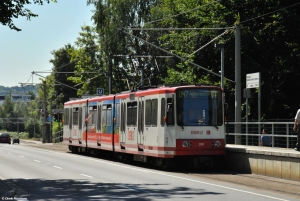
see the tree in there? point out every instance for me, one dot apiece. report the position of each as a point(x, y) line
point(33, 119)
point(60, 91)
point(268, 42)
point(110, 17)
point(10, 9)
point(90, 68)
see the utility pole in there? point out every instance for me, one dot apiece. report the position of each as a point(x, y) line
point(45, 114)
point(238, 83)
point(51, 118)
point(109, 77)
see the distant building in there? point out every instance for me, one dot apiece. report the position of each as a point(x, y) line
point(17, 98)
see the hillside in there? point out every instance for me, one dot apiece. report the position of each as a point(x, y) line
point(18, 90)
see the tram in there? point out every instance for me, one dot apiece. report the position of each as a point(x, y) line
point(165, 126)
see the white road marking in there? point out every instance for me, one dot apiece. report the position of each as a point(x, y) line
point(139, 169)
point(57, 167)
point(178, 177)
point(86, 175)
point(37, 161)
point(22, 156)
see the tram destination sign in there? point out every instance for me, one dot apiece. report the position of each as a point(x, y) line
point(253, 80)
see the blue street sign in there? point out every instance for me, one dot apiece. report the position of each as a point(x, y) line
point(100, 91)
point(49, 118)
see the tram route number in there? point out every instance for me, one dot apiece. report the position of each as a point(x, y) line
point(130, 135)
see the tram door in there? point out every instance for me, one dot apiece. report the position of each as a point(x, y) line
point(123, 121)
point(141, 123)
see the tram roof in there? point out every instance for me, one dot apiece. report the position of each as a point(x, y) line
point(147, 90)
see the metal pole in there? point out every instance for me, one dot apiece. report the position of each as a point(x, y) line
point(50, 136)
point(247, 115)
point(221, 47)
point(259, 106)
point(222, 67)
point(109, 77)
point(34, 128)
point(238, 83)
point(45, 114)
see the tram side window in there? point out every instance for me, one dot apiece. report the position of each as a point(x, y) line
point(92, 115)
point(66, 116)
point(162, 111)
point(118, 115)
point(151, 112)
point(80, 118)
point(85, 116)
point(132, 113)
point(106, 116)
point(99, 118)
point(109, 115)
point(75, 116)
point(154, 109)
point(70, 118)
point(170, 112)
point(148, 113)
point(123, 114)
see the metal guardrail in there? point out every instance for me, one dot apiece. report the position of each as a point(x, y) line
point(282, 133)
point(59, 137)
point(250, 132)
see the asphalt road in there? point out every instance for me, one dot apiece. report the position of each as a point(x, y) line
point(56, 174)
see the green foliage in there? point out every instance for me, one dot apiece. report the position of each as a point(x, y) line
point(61, 87)
point(89, 66)
point(110, 17)
point(14, 8)
point(269, 44)
point(20, 135)
point(56, 127)
point(20, 116)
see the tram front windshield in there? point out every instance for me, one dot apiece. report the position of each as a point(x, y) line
point(199, 107)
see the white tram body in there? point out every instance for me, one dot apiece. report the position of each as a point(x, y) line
point(164, 122)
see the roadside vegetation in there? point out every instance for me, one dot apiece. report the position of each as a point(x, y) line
point(153, 35)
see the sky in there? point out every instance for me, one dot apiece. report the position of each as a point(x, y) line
point(29, 50)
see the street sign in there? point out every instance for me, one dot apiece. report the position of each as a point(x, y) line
point(49, 118)
point(100, 91)
point(253, 80)
point(57, 110)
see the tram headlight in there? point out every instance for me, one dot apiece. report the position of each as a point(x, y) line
point(217, 144)
point(185, 144)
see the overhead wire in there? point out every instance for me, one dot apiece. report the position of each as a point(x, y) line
point(175, 55)
point(73, 62)
point(269, 13)
point(154, 21)
point(159, 28)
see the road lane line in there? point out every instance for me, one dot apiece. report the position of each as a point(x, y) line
point(57, 167)
point(86, 175)
point(37, 161)
point(143, 170)
point(187, 179)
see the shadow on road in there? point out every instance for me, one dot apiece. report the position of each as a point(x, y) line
point(40, 189)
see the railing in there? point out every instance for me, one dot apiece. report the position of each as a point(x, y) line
point(58, 137)
point(282, 133)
